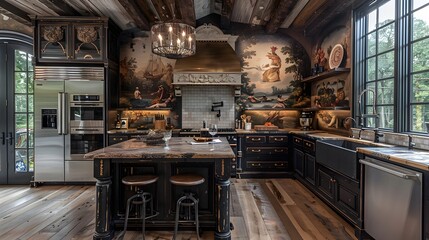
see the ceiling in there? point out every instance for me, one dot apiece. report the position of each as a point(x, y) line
point(309, 16)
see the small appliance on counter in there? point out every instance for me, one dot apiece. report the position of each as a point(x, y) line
point(306, 120)
point(124, 123)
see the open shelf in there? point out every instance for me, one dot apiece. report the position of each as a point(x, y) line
point(326, 74)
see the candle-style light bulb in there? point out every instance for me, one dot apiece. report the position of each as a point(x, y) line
point(190, 41)
point(170, 29)
point(183, 34)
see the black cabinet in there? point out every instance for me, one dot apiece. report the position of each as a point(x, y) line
point(115, 138)
point(304, 160)
point(341, 192)
point(298, 162)
point(75, 40)
point(263, 155)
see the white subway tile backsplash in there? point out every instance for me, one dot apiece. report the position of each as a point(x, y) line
point(197, 104)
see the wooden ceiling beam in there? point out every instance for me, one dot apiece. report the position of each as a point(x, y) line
point(60, 7)
point(186, 11)
point(134, 10)
point(280, 13)
point(15, 13)
point(327, 13)
point(163, 9)
point(225, 14)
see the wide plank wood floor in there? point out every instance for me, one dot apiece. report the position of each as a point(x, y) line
point(271, 209)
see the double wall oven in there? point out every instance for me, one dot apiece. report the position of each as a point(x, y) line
point(86, 124)
point(69, 122)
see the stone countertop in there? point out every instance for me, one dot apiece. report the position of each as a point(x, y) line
point(180, 147)
point(253, 131)
point(131, 131)
point(410, 157)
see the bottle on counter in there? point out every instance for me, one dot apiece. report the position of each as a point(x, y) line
point(118, 122)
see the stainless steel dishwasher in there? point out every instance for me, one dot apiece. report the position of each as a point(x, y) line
point(392, 201)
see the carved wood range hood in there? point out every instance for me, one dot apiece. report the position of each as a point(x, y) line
point(215, 61)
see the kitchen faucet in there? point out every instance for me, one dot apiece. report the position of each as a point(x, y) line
point(217, 105)
point(354, 120)
point(374, 114)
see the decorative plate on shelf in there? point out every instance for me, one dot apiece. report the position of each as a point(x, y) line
point(336, 56)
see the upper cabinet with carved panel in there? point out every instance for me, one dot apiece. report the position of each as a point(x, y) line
point(73, 40)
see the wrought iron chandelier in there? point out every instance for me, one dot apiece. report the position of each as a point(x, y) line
point(173, 39)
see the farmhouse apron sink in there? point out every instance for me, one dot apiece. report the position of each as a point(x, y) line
point(339, 155)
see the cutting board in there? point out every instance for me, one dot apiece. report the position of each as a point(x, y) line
point(265, 128)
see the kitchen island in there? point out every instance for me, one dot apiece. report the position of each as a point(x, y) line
point(134, 157)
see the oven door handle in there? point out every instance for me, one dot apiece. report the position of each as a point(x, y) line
point(88, 104)
point(62, 110)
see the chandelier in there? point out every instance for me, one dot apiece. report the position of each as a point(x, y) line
point(173, 39)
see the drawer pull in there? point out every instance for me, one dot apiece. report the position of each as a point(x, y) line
point(256, 139)
point(278, 150)
point(278, 164)
point(256, 150)
point(278, 139)
point(256, 164)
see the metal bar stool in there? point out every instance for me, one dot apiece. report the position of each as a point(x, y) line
point(145, 197)
point(188, 200)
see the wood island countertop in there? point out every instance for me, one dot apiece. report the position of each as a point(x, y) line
point(180, 147)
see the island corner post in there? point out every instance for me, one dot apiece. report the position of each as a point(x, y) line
point(105, 169)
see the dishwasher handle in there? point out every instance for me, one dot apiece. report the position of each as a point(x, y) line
point(389, 170)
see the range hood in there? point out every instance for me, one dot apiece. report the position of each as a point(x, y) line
point(215, 63)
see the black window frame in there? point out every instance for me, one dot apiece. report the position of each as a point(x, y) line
point(402, 61)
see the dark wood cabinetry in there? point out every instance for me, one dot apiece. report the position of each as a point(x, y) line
point(339, 191)
point(116, 138)
point(304, 160)
point(264, 155)
point(75, 40)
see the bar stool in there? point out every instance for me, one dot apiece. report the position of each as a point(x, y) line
point(145, 197)
point(188, 200)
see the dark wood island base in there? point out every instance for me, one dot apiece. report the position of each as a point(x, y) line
point(112, 163)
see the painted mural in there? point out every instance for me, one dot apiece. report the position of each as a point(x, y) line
point(333, 91)
point(146, 79)
point(273, 67)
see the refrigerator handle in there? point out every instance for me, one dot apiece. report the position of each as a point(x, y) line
point(62, 109)
point(3, 138)
point(60, 114)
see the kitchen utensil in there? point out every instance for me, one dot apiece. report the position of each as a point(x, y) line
point(248, 119)
point(243, 118)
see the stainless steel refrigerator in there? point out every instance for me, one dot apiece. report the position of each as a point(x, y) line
point(69, 121)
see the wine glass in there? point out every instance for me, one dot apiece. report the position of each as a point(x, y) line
point(213, 132)
point(167, 136)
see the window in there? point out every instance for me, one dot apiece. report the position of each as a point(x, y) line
point(24, 112)
point(392, 59)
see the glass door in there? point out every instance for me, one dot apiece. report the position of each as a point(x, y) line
point(17, 114)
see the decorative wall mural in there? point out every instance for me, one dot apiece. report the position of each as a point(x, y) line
point(273, 67)
point(146, 79)
point(331, 93)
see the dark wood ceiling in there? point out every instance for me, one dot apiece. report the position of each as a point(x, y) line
point(308, 16)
